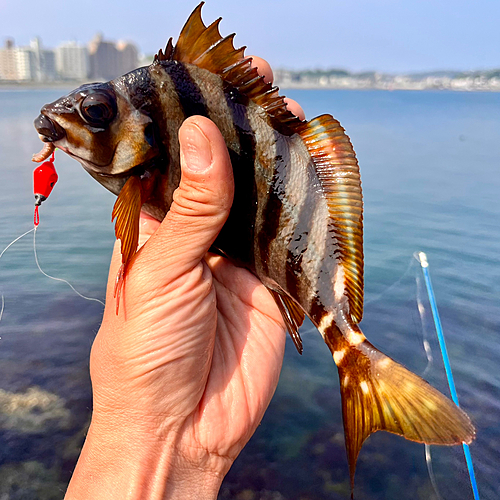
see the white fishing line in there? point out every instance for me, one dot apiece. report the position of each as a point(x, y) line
point(59, 279)
point(430, 361)
point(1, 255)
point(390, 287)
point(33, 230)
point(3, 307)
point(17, 239)
point(430, 470)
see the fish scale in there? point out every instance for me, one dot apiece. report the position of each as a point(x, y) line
point(297, 215)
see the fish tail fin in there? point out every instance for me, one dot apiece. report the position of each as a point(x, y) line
point(380, 394)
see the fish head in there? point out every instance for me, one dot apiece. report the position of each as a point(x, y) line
point(98, 125)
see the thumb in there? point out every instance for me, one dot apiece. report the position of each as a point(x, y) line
point(201, 203)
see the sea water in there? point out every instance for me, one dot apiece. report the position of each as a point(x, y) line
point(430, 164)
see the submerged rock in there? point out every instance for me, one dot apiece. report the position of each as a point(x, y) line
point(34, 411)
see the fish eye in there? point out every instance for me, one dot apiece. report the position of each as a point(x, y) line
point(98, 109)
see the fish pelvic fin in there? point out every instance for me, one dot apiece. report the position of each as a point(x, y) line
point(379, 394)
point(293, 316)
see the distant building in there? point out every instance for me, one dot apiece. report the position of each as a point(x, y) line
point(25, 63)
point(103, 59)
point(72, 61)
point(16, 63)
point(8, 64)
point(44, 62)
point(128, 57)
point(109, 60)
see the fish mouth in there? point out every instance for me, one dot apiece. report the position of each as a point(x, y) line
point(49, 132)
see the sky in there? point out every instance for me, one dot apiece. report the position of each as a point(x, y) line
point(357, 35)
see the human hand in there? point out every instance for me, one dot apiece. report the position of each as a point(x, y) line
point(184, 373)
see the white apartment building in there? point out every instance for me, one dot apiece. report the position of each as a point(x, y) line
point(16, 63)
point(27, 63)
point(72, 61)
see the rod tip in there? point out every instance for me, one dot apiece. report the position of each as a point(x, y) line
point(423, 259)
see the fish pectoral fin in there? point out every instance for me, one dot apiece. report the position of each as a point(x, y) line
point(126, 211)
point(293, 316)
point(379, 394)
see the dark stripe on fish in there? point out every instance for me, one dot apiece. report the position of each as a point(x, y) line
point(237, 234)
point(272, 211)
point(188, 92)
point(141, 90)
point(144, 96)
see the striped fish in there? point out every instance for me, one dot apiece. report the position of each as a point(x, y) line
point(296, 220)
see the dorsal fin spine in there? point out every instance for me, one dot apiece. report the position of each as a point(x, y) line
point(204, 47)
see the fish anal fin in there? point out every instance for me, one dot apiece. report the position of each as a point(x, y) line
point(205, 47)
point(293, 316)
point(379, 394)
point(338, 172)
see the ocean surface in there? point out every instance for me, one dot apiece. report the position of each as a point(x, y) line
point(430, 165)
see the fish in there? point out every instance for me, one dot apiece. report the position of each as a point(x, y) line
point(296, 221)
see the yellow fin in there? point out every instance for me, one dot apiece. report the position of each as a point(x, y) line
point(380, 394)
point(127, 210)
point(338, 172)
point(293, 316)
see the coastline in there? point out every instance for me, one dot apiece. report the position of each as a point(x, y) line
point(284, 84)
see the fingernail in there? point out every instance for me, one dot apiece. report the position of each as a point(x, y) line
point(195, 149)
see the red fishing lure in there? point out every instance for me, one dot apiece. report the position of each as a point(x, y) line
point(44, 179)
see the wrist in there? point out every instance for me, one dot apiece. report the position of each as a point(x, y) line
point(130, 464)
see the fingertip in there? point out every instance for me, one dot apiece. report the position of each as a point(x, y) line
point(264, 68)
point(203, 148)
point(295, 108)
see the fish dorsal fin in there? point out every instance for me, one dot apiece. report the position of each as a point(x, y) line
point(293, 316)
point(205, 47)
point(338, 172)
point(167, 56)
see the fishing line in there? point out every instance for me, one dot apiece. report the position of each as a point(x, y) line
point(3, 307)
point(430, 470)
point(1, 255)
point(422, 258)
point(33, 230)
point(59, 279)
point(390, 287)
point(430, 359)
point(17, 239)
point(421, 312)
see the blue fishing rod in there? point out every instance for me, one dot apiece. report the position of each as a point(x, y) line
point(422, 257)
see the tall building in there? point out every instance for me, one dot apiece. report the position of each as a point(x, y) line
point(109, 60)
point(16, 63)
point(129, 56)
point(104, 59)
point(26, 63)
point(44, 62)
point(8, 66)
point(72, 61)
